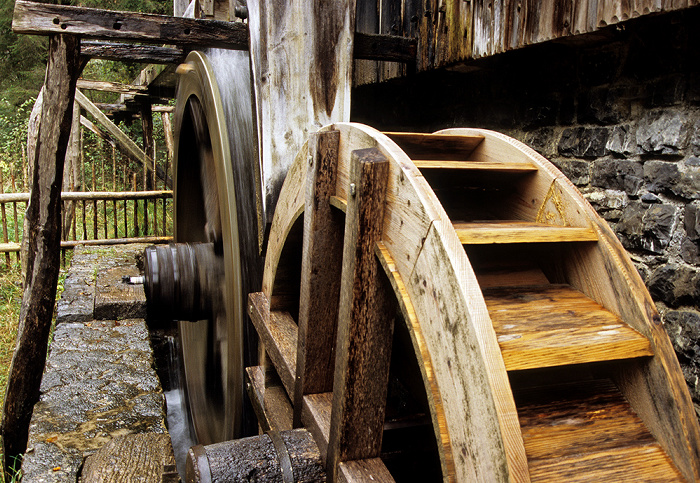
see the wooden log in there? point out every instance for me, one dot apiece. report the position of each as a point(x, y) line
point(44, 236)
point(273, 457)
point(106, 86)
point(365, 321)
point(43, 19)
point(322, 256)
point(124, 52)
point(131, 457)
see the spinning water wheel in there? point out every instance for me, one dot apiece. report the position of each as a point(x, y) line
point(524, 339)
point(216, 231)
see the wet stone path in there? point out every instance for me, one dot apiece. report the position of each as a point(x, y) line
point(99, 384)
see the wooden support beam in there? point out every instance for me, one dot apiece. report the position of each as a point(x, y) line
point(321, 266)
point(122, 141)
point(124, 52)
point(365, 321)
point(106, 86)
point(44, 238)
point(44, 19)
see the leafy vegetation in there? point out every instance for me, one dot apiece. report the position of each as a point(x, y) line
point(23, 64)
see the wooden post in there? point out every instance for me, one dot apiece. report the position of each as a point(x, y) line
point(44, 236)
point(365, 321)
point(322, 253)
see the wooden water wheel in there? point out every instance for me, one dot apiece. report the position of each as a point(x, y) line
point(449, 306)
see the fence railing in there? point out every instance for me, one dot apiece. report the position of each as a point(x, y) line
point(95, 218)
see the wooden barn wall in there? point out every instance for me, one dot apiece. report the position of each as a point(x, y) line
point(450, 31)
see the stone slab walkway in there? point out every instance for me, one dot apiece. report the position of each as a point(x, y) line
point(99, 382)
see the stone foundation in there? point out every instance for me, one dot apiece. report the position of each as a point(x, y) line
point(619, 113)
point(99, 382)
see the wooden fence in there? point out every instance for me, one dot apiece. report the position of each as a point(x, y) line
point(95, 218)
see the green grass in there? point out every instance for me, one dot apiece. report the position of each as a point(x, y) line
point(10, 302)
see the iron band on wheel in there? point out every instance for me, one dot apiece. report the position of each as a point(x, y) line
point(282, 456)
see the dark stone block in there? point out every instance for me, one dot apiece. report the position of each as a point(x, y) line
point(692, 220)
point(681, 179)
point(675, 285)
point(622, 141)
point(618, 174)
point(542, 140)
point(695, 139)
point(650, 198)
point(663, 132)
point(683, 328)
point(584, 142)
point(690, 251)
point(579, 172)
point(647, 227)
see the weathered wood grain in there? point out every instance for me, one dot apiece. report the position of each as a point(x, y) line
point(45, 19)
point(257, 458)
point(278, 333)
point(365, 321)
point(436, 146)
point(520, 168)
point(364, 471)
point(302, 56)
point(603, 271)
point(589, 426)
point(521, 232)
point(432, 389)
point(106, 86)
point(321, 265)
point(129, 458)
point(43, 218)
point(554, 325)
point(316, 416)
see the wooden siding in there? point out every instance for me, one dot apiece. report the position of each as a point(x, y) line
point(451, 31)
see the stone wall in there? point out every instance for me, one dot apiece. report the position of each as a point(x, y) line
point(619, 114)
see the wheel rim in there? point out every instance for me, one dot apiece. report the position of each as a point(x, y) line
point(205, 211)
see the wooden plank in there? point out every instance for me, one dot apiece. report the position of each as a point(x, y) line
point(321, 265)
point(555, 325)
point(511, 277)
point(635, 463)
point(479, 233)
point(523, 168)
point(389, 48)
point(43, 19)
point(278, 333)
point(589, 425)
point(587, 416)
point(271, 404)
point(316, 416)
point(436, 146)
point(43, 220)
point(370, 470)
point(365, 321)
point(106, 86)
